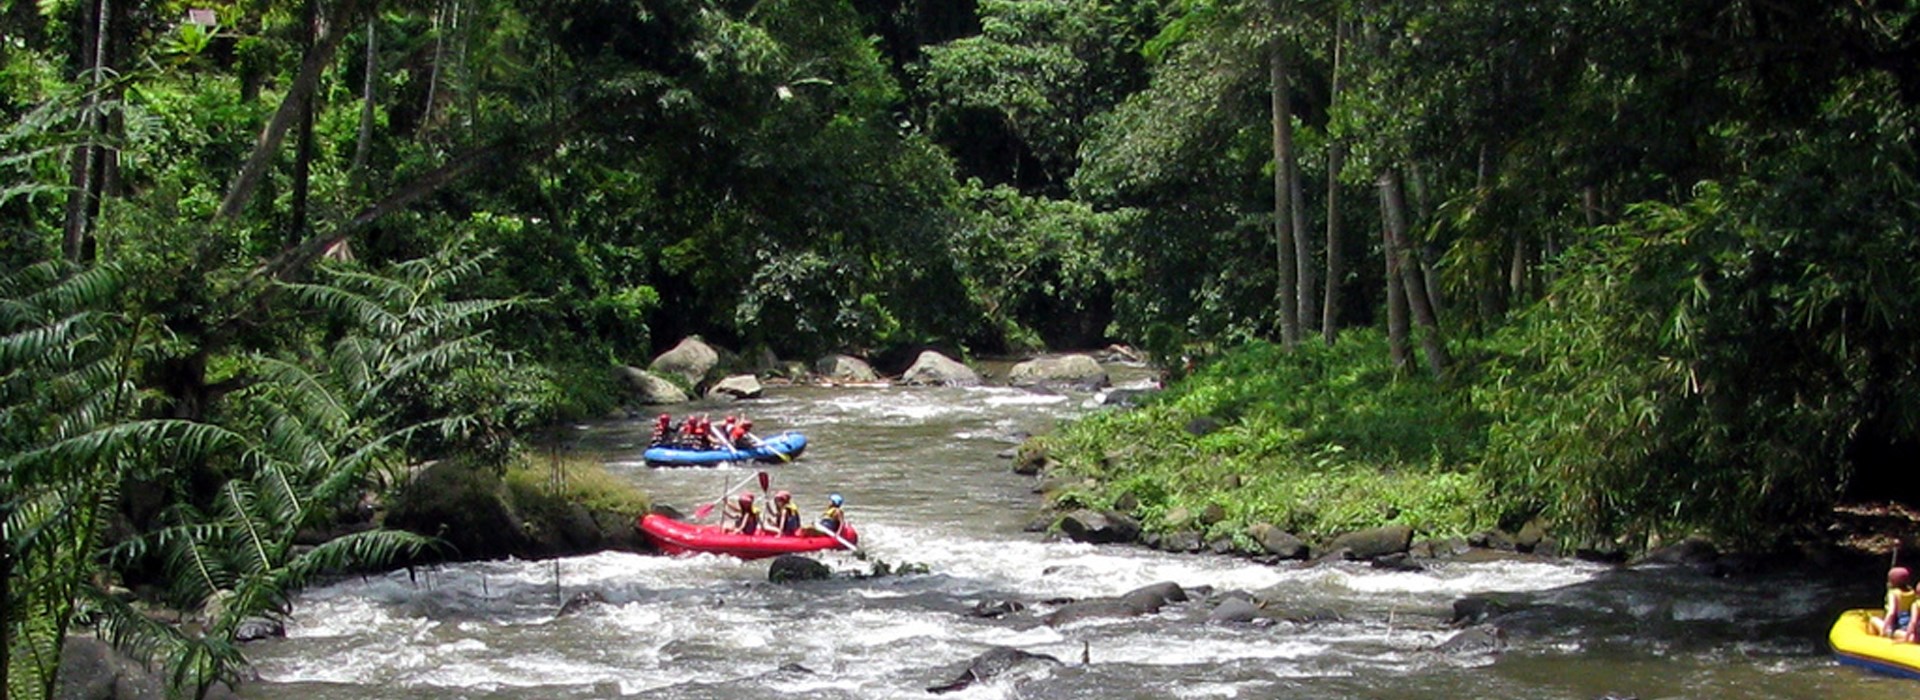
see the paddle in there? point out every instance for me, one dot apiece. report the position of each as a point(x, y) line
point(757, 442)
point(707, 508)
point(821, 525)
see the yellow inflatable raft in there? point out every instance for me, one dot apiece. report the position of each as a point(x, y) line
point(1855, 644)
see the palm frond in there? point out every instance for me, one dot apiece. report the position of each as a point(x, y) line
point(359, 550)
point(438, 357)
point(253, 551)
point(163, 441)
point(368, 313)
point(143, 638)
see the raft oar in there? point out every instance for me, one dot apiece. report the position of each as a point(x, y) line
point(821, 526)
point(707, 508)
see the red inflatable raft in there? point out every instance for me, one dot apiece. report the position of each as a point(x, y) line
point(675, 537)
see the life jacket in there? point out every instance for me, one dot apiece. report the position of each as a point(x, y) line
point(832, 519)
point(749, 521)
point(787, 519)
point(1901, 599)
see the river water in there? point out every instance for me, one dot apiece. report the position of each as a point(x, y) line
point(923, 483)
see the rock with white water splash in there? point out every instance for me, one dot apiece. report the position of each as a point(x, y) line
point(1485, 639)
point(994, 663)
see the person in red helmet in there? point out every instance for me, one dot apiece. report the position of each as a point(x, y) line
point(746, 517)
point(742, 436)
point(663, 430)
point(786, 515)
point(1900, 620)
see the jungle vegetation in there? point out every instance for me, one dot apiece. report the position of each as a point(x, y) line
point(1640, 266)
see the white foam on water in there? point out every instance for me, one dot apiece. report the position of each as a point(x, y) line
point(1447, 579)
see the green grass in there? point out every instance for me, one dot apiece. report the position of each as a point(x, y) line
point(1317, 441)
point(532, 484)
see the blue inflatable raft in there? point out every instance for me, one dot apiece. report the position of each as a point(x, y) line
point(778, 449)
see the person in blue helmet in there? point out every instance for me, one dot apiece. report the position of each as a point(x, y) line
point(833, 518)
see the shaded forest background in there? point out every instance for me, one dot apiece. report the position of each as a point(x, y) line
point(1634, 266)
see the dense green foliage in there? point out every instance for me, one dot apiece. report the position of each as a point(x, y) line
point(1657, 256)
point(1319, 441)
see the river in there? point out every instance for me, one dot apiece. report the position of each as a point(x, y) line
point(923, 482)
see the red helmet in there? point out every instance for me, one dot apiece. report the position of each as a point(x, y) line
point(746, 424)
point(782, 496)
point(1899, 576)
point(746, 498)
point(665, 419)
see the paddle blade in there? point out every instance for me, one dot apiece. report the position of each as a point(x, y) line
point(764, 480)
point(703, 511)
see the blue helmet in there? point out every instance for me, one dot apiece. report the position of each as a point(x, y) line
point(836, 500)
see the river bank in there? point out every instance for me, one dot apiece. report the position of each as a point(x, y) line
point(920, 472)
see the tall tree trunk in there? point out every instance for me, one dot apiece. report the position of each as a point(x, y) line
point(1302, 249)
point(304, 85)
point(1517, 290)
point(433, 71)
point(364, 143)
point(1432, 345)
point(86, 160)
point(303, 145)
point(1287, 253)
point(1590, 204)
point(1395, 288)
point(1336, 160)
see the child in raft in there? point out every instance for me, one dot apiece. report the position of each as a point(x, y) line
point(1900, 621)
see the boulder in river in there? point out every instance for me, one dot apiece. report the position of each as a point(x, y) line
point(1145, 600)
point(1234, 611)
point(845, 368)
point(258, 628)
point(995, 609)
point(1075, 371)
point(1030, 458)
point(90, 669)
point(995, 662)
point(1277, 542)
point(1096, 527)
point(738, 386)
point(581, 601)
point(792, 567)
point(935, 369)
point(647, 389)
point(1485, 639)
point(1374, 542)
point(692, 359)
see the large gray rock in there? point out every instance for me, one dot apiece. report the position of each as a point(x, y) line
point(1374, 542)
point(692, 360)
point(996, 662)
point(648, 389)
point(92, 670)
point(739, 386)
point(845, 368)
point(935, 369)
point(1278, 542)
point(793, 567)
point(1096, 527)
point(1145, 600)
point(1485, 639)
point(258, 628)
point(1079, 371)
point(1150, 597)
point(463, 505)
point(1234, 611)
